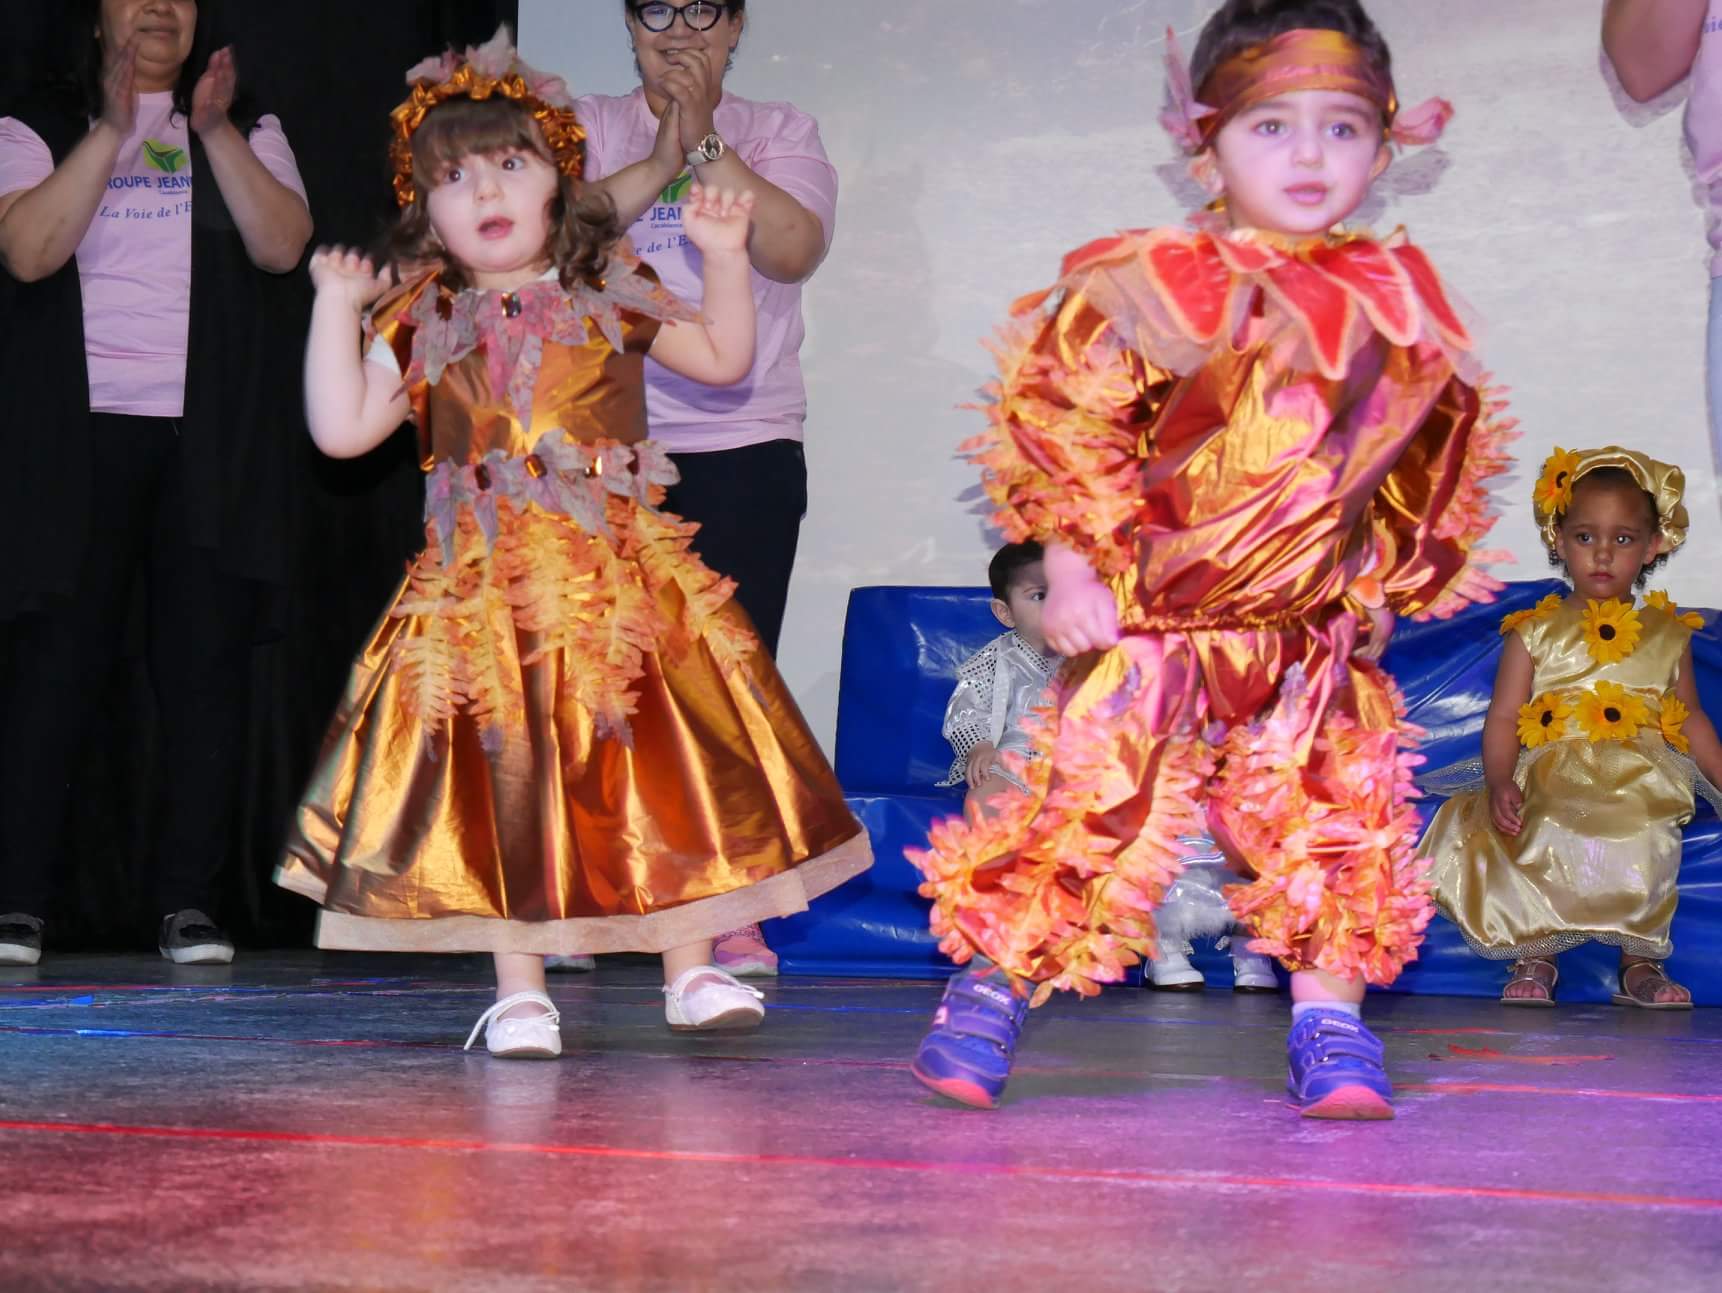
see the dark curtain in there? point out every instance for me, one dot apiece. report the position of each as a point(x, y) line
point(331, 70)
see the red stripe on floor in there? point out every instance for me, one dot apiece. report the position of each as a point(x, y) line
point(1525, 1088)
point(1182, 1179)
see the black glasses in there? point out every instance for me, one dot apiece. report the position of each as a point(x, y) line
point(702, 15)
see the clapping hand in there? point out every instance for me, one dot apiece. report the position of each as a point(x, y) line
point(213, 95)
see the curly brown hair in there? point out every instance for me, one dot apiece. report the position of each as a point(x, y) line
point(583, 224)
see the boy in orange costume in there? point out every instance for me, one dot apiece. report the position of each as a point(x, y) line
point(1248, 446)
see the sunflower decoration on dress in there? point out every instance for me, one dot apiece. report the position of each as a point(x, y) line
point(1611, 630)
point(1609, 712)
point(1662, 602)
point(1564, 469)
point(1548, 606)
point(1672, 720)
point(1544, 719)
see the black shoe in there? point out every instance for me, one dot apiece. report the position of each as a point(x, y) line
point(20, 939)
point(190, 938)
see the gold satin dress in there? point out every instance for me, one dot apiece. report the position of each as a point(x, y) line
point(563, 735)
point(1605, 797)
point(1253, 441)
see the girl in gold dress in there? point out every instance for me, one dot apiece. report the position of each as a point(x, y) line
point(562, 736)
point(1574, 835)
point(1248, 446)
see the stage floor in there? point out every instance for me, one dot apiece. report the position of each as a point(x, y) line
point(308, 1121)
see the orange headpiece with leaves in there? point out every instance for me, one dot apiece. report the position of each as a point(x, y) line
point(487, 70)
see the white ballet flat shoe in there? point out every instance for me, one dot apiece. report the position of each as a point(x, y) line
point(520, 1037)
point(707, 999)
point(1172, 972)
point(1252, 972)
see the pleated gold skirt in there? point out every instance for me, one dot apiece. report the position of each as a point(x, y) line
point(565, 740)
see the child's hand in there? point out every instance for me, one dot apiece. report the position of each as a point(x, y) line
point(717, 220)
point(347, 275)
point(1080, 614)
point(981, 760)
point(1381, 625)
point(1506, 808)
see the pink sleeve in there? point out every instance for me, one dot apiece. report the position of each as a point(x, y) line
point(786, 150)
point(24, 159)
point(270, 144)
point(590, 115)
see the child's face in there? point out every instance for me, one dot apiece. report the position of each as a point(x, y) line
point(1606, 538)
point(1025, 597)
point(1301, 163)
point(492, 212)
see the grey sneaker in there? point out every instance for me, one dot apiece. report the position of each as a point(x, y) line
point(20, 939)
point(190, 938)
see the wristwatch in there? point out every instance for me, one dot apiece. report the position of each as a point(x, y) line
point(708, 149)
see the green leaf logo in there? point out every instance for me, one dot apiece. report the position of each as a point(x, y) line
point(676, 189)
point(164, 157)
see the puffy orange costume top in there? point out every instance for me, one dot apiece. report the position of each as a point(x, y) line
point(1252, 440)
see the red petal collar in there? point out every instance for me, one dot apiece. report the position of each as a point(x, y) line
point(1328, 287)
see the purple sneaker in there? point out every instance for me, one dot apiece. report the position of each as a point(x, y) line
point(966, 1056)
point(1336, 1067)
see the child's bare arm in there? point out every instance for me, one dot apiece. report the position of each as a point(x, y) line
point(1501, 735)
point(1700, 731)
point(718, 352)
point(351, 405)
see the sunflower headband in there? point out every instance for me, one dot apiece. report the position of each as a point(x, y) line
point(1304, 59)
point(493, 68)
point(1565, 468)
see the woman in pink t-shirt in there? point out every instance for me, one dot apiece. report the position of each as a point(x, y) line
point(1654, 45)
point(739, 448)
point(147, 399)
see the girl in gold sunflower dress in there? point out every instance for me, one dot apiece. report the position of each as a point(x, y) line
point(1574, 835)
point(562, 736)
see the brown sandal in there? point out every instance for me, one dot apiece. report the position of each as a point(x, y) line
point(1525, 971)
point(1654, 977)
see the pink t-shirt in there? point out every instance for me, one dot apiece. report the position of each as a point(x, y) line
point(782, 145)
point(1704, 124)
point(134, 263)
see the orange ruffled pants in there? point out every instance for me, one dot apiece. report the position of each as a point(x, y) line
point(1294, 756)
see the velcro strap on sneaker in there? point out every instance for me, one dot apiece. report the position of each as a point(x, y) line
point(988, 1009)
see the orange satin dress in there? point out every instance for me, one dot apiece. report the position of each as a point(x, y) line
point(1253, 441)
point(562, 736)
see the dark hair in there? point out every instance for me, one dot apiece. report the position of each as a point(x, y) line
point(1617, 478)
point(1240, 24)
point(1008, 563)
point(583, 225)
point(80, 73)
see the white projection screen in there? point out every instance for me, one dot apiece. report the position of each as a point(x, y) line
point(978, 140)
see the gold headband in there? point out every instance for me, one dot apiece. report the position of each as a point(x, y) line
point(1308, 58)
point(1566, 467)
point(486, 70)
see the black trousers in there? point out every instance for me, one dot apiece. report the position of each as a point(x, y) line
point(749, 503)
point(198, 635)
